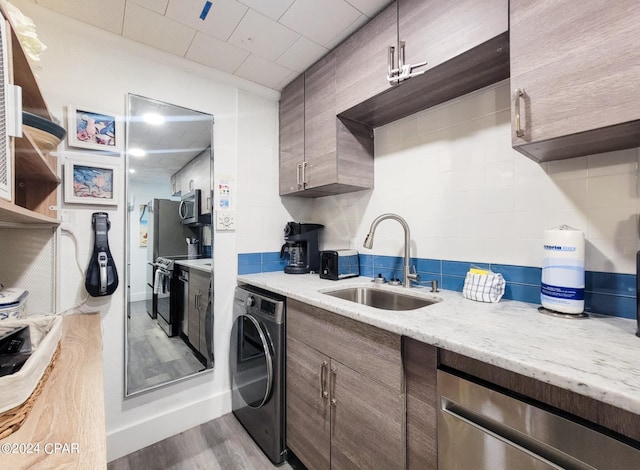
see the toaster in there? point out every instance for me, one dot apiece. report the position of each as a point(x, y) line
point(339, 264)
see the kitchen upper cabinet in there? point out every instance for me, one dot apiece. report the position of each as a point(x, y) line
point(464, 42)
point(574, 76)
point(435, 31)
point(196, 174)
point(334, 156)
point(362, 60)
point(319, 167)
point(345, 391)
point(291, 136)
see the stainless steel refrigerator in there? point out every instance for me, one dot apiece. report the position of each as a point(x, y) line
point(166, 238)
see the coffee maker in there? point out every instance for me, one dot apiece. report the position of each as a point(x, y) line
point(301, 242)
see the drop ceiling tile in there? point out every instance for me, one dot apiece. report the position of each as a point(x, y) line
point(262, 71)
point(262, 36)
point(215, 53)
point(222, 18)
point(155, 30)
point(369, 7)
point(345, 33)
point(301, 55)
point(159, 6)
point(87, 11)
point(274, 9)
point(284, 82)
point(320, 21)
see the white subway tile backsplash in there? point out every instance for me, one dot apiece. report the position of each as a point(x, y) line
point(612, 163)
point(610, 255)
point(572, 218)
point(467, 195)
point(566, 195)
point(612, 224)
point(618, 190)
point(569, 169)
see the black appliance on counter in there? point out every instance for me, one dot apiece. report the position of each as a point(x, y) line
point(301, 242)
point(339, 264)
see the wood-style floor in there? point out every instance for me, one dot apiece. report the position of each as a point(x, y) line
point(154, 358)
point(221, 444)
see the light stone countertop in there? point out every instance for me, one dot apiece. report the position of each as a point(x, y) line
point(598, 357)
point(202, 264)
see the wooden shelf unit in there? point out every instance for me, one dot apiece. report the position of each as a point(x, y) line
point(36, 181)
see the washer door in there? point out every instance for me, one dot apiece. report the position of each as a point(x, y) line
point(252, 361)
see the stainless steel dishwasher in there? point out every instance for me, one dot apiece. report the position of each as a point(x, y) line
point(481, 428)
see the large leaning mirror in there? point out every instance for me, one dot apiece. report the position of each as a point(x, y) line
point(169, 304)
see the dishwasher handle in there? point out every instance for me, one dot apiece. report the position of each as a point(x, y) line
point(471, 413)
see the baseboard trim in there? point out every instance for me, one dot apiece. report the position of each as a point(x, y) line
point(124, 441)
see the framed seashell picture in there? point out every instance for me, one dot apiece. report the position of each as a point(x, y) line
point(90, 181)
point(95, 130)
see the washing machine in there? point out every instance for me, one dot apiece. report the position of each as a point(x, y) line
point(257, 367)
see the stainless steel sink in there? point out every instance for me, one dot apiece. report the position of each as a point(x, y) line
point(381, 299)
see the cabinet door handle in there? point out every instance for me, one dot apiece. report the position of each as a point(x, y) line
point(401, 56)
point(298, 174)
point(391, 61)
point(304, 173)
point(324, 394)
point(517, 95)
point(332, 385)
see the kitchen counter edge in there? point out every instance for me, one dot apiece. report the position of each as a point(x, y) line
point(597, 357)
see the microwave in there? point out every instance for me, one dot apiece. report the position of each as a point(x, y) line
point(189, 208)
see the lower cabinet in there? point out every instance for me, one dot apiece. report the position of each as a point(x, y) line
point(345, 392)
point(198, 298)
point(420, 369)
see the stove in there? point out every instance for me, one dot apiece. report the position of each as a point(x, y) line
point(165, 293)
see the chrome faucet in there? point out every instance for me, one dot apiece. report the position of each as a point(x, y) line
point(408, 276)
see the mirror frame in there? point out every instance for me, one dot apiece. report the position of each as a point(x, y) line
point(127, 228)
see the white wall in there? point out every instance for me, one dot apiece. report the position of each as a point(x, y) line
point(467, 195)
point(86, 66)
point(262, 214)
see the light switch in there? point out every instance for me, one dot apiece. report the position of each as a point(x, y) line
point(225, 221)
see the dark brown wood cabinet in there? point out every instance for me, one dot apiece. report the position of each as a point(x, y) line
point(198, 298)
point(320, 144)
point(420, 367)
point(333, 156)
point(361, 64)
point(464, 42)
point(291, 136)
point(435, 31)
point(577, 70)
point(345, 391)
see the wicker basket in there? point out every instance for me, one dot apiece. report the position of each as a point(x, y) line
point(19, 391)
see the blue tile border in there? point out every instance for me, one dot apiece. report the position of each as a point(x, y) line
point(605, 293)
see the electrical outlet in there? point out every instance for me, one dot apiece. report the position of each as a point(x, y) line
point(225, 221)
